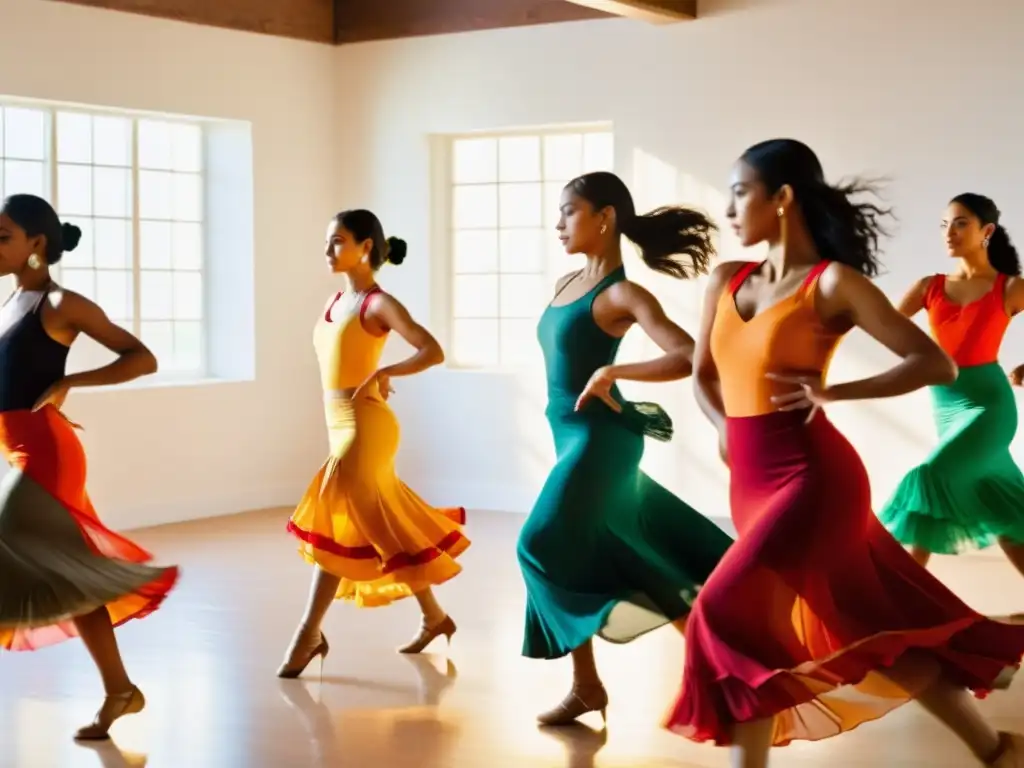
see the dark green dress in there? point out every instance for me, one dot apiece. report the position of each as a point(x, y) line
point(606, 550)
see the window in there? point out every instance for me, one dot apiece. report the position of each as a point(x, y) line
point(135, 186)
point(505, 192)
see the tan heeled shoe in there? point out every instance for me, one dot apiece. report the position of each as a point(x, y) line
point(114, 708)
point(293, 667)
point(579, 702)
point(427, 635)
point(1011, 754)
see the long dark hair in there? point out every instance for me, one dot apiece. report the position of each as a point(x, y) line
point(37, 217)
point(364, 225)
point(1002, 254)
point(662, 235)
point(842, 230)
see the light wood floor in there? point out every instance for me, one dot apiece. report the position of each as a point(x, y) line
point(206, 662)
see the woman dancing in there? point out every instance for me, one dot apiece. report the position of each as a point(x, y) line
point(817, 620)
point(606, 550)
point(62, 573)
point(371, 539)
point(969, 492)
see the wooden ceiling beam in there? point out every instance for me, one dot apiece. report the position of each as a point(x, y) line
point(651, 11)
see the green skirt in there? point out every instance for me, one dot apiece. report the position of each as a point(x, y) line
point(969, 492)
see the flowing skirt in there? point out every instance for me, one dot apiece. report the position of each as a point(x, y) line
point(359, 522)
point(969, 491)
point(815, 601)
point(57, 560)
point(606, 550)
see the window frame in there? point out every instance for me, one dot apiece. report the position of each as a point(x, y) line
point(443, 186)
point(51, 171)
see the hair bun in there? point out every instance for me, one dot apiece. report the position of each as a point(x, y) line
point(70, 236)
point(397, 249)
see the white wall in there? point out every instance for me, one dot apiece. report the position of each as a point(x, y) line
point(926, 93)
point(159, 454)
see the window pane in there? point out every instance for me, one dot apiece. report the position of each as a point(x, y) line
point(188, 346)
point(563, 156)
point(154, 195)
point(112, 192)
point(188, 296)
point(476, 250)
point(598, 152)
point(476, 296)
point(519, 158)
point(113, 245)
point(519, 346)
point(187, 147)
point(159, 337)
point(112, 137)
point(24, 176)
point(522, 250)
point(558, 261)
point(475, 342)
point(112, 292)
point(523, 296)
point(74, 190)
point(553, 202)
point(155, 145)
point(187, 246)
point(155, 244)
point(24, 134)
point(474, 161)
point(521, 205)
point(81, 281)
point(475, 206)
point(156, 298)
point(74, 137)
point(188, 197)
point(84, 254)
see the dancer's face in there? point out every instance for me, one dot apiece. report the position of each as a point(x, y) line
point(16, 246)
point(752, 212)
point(964, 232)
point(579, 225)
point(343, 251)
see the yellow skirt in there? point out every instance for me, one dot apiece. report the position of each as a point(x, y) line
point(358, 521)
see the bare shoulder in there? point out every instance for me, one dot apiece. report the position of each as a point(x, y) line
point(722, 274)
point(70, 303)
point(836, 277)
point(564, 280)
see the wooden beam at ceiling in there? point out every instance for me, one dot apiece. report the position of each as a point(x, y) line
point(362, 20)
point(651, 11)
point(302, 19)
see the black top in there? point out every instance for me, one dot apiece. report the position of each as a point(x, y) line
point(31, 361)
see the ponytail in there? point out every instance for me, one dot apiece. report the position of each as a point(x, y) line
point(670, 232)
point(1002, 253)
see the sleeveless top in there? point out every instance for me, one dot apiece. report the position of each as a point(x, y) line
point(788, 337)
point(574, 346)
point(347, 353)
point(31, 361)
point(969, 333)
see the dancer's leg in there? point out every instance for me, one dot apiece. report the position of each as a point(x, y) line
point(1014, 552)
point(308, 640)
point(921, 555)
point(122, 698)
point(587, 694)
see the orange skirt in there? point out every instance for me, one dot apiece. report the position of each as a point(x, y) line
point(57, 560)
point(358, 521)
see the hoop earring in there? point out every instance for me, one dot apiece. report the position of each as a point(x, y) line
point(604, 228)
point(780, 211)
point(34, 262)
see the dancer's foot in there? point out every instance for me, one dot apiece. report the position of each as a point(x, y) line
point(115, 706)
point(580, 700)
point(305, 647)
point(428, 633)
point(1011, 753)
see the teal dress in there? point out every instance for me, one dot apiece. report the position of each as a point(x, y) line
point(606, 550)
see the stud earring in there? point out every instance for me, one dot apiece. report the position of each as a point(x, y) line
point(34, 262)
point(781, 211)
point(604, 228)
point(984, 243)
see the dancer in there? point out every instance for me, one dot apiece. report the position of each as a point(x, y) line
point(371, 539)
point(62, 573)
point(606, 550)
point(817, 620)
point(969, 492)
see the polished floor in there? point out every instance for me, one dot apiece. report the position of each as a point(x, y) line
point(206, 662)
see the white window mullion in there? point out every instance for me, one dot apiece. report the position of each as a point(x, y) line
point(54, 192)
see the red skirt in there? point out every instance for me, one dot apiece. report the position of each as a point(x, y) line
point(57, 560)
point(816, 599)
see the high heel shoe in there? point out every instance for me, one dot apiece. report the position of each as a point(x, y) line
point(114, 707)
point(292, 668)
point(427, 635)
point(577, 703)
point(1011, 752)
